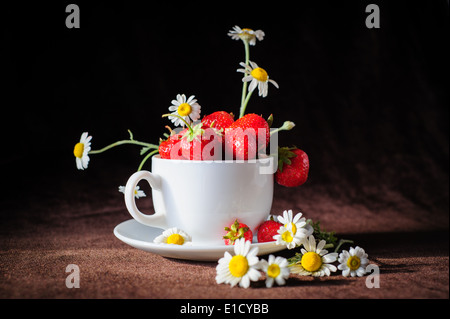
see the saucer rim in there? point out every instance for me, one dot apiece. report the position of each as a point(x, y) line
point(207, 252)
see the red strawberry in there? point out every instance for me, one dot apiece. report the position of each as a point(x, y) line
point(168, 146)
point(237, 230)
point(293, 167)
point(219, 120)
point(201, 144)
point(241, 137)
point(267, 230)
point(177, 136)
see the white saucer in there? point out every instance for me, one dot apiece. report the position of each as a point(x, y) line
point(140, 236)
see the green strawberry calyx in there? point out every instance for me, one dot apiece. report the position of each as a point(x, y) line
point(235, 232)
point(193, 131)
point(284, 156)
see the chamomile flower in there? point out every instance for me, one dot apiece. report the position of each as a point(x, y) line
point(298, 223)
point(173, 236)
point(353, 262)
point(257, 77)
point(246, 34)
point(240, 268)
point(287, 237)
point(137, 192)
point(188, 109)
point(276, 269)
point(315, 260)
point(81, 151)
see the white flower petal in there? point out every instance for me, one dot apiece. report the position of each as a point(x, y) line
point(252, 85)
point(320, 246)
point(274, 83)
point(244, 282)
point(296, 218)
point(247, 78)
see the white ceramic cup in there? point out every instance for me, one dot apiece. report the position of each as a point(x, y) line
point(203, 197)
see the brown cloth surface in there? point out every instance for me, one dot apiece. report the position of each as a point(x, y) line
point(409, 245)
point(370, 107)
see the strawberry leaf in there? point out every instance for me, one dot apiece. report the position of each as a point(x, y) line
point(270, 120)
point(284, 155)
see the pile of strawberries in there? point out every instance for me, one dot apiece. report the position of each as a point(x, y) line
point(205, 141)
point(219, 136)
point(265, 232)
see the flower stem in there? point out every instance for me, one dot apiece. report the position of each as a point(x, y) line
point(146, 158)
point(176, 115)
point(244, 105)
point(122, 143)
point(244, 99)
point(341, 242)
point(288, 125)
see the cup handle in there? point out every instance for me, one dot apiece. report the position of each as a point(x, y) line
point(155, 220)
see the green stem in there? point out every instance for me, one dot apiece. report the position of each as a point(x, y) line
point(176, 115)
point(341, 242)
point(244, 105)
point(245, 84)
point(288, 125)
point(122, 143)
point(146, 158)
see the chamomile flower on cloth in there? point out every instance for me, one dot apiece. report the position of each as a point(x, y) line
point(287, 237)
point(315, 261)
point(81, 151)
point(173, 236)
point(240, 268)
point(188, 109)
point(257, 77)
point(276, 269)
point(353, 262)
point(298, 223)
point(246, 34)
point(137, 192)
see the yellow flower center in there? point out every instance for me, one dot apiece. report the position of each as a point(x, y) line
point(273, 270)
point(238, 266)
point(287, 236)
point(184, 109)
point(311, 261)
point(353, 262)
point(260, 74)
point(294, 228)
point(175, 239)
point(78, 150)
point(246, 35)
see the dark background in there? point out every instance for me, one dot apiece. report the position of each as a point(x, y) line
point(371, 105)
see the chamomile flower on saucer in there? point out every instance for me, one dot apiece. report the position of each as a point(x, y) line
point(81, 151)
point(257, 77)
point(137, 192)
point(173, 236)
point(188, 109)
point(246, 34)
point(353, 262)
point(315, 261)
point(240, 268)
point(298, 223)
point(276, 269)
point(287, 237)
